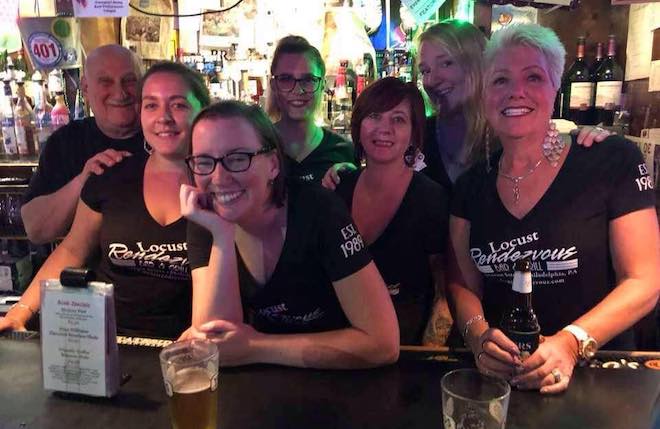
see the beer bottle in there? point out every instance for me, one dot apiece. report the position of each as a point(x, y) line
point(519, 322)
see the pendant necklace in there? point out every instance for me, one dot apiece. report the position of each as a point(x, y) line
point(516, 179)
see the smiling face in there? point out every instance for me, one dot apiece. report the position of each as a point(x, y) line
point(519, 93)
point(443, 77)
point(167, 110)
point(386, 136)
point(242, 196)
point(109, 85)
point(297, 104)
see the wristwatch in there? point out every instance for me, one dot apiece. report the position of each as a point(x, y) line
point(587, 345)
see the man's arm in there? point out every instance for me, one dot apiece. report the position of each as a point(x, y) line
point(48, 217)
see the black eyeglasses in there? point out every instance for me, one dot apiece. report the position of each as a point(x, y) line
point(286, 82)
point(234, 162)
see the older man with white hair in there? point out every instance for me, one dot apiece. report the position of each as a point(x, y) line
point(82, 148)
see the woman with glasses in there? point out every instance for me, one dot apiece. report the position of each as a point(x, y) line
point(296, 90)
point(131, 216)
point(280, 273)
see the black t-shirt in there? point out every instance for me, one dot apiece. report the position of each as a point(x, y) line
point(435, 168)
point(146, 262)
point(417, 230)
point(332, 150)
point(321, 245)
point(68, 149)
point(565, 234)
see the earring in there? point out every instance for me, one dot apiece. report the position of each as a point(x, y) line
point(487, 148)
point(409, 156)
point(553, 145)
point(148, 148)
point(271, 182)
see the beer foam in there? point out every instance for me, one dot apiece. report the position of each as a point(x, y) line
point(191, 380)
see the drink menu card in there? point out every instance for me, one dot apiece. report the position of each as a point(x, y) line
point(79, 348)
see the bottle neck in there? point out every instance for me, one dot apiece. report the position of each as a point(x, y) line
point(522, 300)
point(599, 52)
point(611, 48)
point(580, 51)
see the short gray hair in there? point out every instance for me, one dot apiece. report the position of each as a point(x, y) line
point(533, 36)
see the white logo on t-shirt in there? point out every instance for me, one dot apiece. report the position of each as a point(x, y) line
point(644, 183)
point(353, 243)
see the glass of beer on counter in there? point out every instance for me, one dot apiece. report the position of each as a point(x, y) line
point(190, 373)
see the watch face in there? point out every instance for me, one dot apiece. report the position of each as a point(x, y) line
point(589, 348)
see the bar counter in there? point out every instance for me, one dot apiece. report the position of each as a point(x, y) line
point(404, 395)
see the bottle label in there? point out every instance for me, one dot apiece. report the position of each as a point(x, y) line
point(9, 141)
point(608, 94)
point(527, 342)
point(8, 122)
point(581, 93)
point(522, 282)
point(9, 135)
point(21, 140)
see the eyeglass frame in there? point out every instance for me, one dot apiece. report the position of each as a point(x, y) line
point(221, 160)
point(298, 82)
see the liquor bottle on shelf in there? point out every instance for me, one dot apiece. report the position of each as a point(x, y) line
point(341, 104)
point(20, 66)
point(23, 120)
point(519, 322)
point(60, 114)
point(577, 89)
point(42, 111)
point(361, 78)
point(9, 143)
point(79, 108)
point(609, 83)
point(387, 66)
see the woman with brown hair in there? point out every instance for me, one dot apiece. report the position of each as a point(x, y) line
point(296, 91)
point(280, 273)
point(407, 232)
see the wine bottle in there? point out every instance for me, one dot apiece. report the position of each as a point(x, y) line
point(577, 88)
point(9, 143)
point(598, 60)
point(23, 120)
point(609, 83)
point(519, 322)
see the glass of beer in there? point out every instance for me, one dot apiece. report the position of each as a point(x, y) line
point(190, 373)
point(471, 400)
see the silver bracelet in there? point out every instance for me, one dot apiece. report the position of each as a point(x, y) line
point(469, 323)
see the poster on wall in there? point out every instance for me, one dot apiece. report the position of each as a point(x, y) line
point(505, 15)
point(642, 20)
point(100, 8)
point(147, 35)
point(222, 29)
point(422, 10)
point(52, 42)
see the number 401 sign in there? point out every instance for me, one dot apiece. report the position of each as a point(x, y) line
point(46, 50)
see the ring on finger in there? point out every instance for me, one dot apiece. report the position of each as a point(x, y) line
point(556, 374)
point(479, 355)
